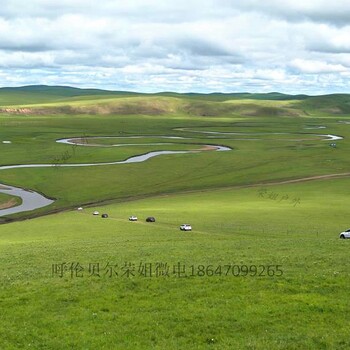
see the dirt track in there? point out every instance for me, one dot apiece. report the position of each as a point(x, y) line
point(310, 178)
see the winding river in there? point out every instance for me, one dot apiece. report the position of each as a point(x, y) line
point(32, 200)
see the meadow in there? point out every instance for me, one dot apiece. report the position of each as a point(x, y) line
point(7, 201)
point(263, 266)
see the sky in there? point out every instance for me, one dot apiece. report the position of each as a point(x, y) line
point(184, 45)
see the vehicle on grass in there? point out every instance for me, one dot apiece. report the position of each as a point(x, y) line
point(80, 208)
point(104, 216)
point(133, 218)
point(186, 227)
point(95, 213)
point(150, 219)
point(345, 234)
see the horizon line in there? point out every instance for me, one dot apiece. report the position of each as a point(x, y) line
point(169, 91)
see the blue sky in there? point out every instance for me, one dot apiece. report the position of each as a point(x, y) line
point(183, 45)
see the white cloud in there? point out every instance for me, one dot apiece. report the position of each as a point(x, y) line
point(153, 45)
point(317, 67)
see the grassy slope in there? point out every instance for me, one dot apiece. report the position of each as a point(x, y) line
point(44, 94)
point(43, 99)
point(230, 226)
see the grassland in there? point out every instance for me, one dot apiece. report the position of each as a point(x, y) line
point(260, 204)
point(307, 307)
point(7, 201)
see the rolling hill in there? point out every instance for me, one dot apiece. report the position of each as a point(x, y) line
point(43, 99)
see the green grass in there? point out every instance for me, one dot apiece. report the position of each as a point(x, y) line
point(29, 95)
point(7, 201)
point(235, 227)
point(302, 154)
point(241, 212)
point(55, 100)
point(42, 94)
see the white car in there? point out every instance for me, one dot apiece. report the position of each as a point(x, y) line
point(96, 213)
point(185, 227)
point(133, 218)
point(345, 234)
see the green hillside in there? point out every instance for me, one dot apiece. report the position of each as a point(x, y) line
point(262, 178)
point(58, 100)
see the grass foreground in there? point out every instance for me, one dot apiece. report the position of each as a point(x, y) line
point(243, 278)
point(263, 267)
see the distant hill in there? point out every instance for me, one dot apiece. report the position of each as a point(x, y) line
point(67, 91)
point(332, 104)
point(34, 94)
point(62, 90)
point(217, 96)
point(42, 99)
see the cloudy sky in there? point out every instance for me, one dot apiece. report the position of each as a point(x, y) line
point(177, 45)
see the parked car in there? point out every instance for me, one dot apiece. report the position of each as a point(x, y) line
point(133, 218)
point(150, 219)
point(80, 208)
point(345, 234)
point(96, 213)
point(104, 216)
point(186, 227)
